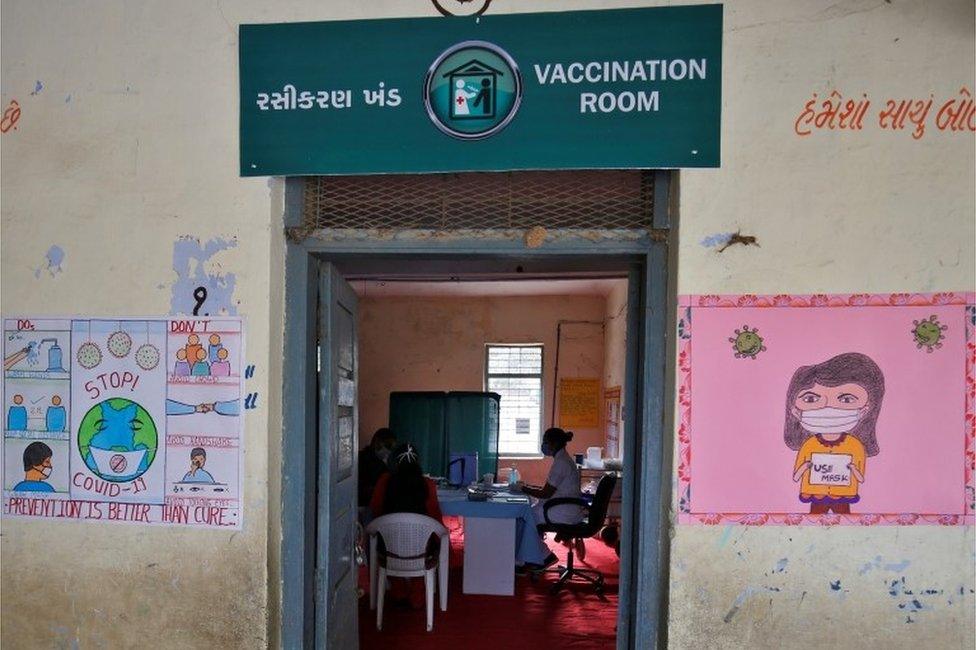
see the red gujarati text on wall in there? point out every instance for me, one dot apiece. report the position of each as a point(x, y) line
point(835, 113)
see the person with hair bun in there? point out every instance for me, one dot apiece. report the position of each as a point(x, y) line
point(405, 489)
point(563, 481)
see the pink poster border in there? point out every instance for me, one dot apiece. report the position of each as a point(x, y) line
point(684, 331)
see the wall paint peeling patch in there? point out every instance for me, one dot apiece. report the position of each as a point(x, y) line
point(743, 596)
point(879, 563)
point(726, 534)
point(867, 567)
point(717, 239)
point(54, 258)
point(913, 601)
point(65, 639)
point(897, 566)
point(195, 268)
point(837, 590)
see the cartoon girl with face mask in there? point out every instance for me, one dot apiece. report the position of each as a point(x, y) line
point(831, 412)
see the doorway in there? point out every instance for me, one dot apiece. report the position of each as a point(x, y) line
point(317, 564)
point(433, 355)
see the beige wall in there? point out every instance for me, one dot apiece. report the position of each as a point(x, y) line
point(615, 349)
point(439, 344)
point(863, 211)
point(132, 143)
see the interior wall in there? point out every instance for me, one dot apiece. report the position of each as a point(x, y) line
point(615, 349)
point(411, 344)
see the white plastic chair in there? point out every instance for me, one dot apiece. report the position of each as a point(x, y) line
point(405, 536)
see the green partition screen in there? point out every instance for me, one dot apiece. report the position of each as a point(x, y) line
point(443, 423)
point(419, 418)
point(472, 425)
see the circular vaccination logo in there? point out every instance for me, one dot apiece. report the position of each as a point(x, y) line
point(117, 440)
point(473, 90)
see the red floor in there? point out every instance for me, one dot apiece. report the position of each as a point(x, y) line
point(574, 619)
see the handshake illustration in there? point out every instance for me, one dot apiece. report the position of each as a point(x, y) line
point(229, 407)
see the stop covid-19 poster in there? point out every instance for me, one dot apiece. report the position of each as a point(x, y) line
point(131, 420)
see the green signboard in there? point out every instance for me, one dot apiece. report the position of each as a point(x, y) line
point(625, 88)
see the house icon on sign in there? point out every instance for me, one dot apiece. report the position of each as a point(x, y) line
point(473, 90)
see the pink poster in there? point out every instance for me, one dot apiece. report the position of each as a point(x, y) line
point(826, 409)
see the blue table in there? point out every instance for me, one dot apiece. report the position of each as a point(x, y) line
point(528, 547)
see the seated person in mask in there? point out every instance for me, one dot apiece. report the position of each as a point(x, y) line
point(372, 463)
point(563, 481)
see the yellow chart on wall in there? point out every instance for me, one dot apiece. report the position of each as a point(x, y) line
point(579, 403)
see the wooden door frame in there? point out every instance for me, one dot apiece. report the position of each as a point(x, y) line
point(642, 615)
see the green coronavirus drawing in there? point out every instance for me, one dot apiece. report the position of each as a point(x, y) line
point(929, 333)
point(747, 343)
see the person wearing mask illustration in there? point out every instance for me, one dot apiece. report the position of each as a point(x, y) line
point(832, 412)
point(37, 469)
point(563, 481)
point(373, 463)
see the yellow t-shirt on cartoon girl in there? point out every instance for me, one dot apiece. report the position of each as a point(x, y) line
point(832, 411)
point(819, 481)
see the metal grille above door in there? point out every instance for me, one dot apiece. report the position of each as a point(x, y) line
point(562, 200)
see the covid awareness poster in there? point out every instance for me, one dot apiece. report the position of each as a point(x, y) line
point(839, 409)
point(123, 420)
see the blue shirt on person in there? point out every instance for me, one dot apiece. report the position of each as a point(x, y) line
point(55, 418)
point(17, 418)
point(201, 476)
point(33, 486)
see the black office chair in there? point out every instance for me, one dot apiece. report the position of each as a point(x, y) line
point(595, 517)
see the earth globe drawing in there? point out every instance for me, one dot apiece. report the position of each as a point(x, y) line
point(117, 440)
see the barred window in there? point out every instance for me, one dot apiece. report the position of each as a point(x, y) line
point(515, 373)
